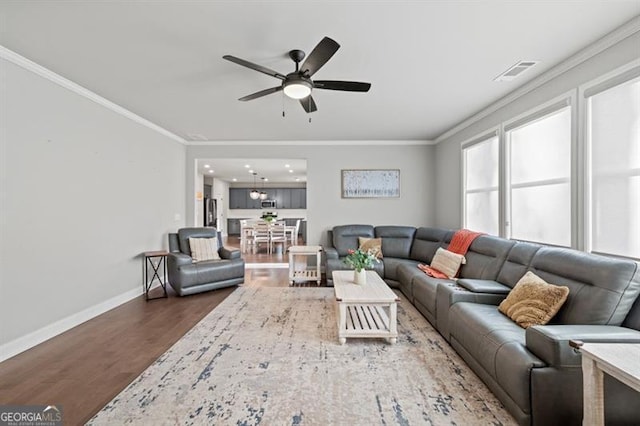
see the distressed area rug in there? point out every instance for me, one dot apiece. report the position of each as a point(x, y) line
point(271, 356)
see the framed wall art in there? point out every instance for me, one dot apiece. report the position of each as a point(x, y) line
point(371, 183)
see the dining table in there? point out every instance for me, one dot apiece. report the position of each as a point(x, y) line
point(248, 230)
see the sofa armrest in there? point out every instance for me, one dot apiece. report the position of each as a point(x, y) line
point(175, 260)
point(550, 343)
point(331, 253)
point(229, 253)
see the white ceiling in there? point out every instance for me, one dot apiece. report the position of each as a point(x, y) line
point(275, 170)
point(431, 63)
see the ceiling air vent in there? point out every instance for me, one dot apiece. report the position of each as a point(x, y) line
point(515, 70)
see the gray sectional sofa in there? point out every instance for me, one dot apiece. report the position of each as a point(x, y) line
point(534, 372)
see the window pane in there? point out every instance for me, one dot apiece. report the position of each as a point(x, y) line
point(614, 125)
point(540, 154)
point(482, 165)
point(616, 213)
point(542, 214)
point(542, 150)
point(482, 212)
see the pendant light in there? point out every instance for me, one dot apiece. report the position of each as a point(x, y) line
point(263, 194)
point(254, 194)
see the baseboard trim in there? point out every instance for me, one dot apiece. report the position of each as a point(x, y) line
point(32, 339)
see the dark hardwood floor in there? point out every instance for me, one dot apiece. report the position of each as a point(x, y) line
point(85, 367)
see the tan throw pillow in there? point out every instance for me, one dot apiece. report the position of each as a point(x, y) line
point(204, 249)
point(533, 301)
point(373, 245)
point(447, 262)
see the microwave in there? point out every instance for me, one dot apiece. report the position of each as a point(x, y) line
point(268, 204)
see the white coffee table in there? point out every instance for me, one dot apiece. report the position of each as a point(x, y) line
point(368, 310)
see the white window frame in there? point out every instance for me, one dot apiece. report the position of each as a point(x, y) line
point(567, 99)
point(609, 80)
point(477, 139)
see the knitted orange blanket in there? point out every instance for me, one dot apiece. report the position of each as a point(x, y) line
point(459, 244)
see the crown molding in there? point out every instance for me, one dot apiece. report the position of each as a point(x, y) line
point(616, 36)
point(46, 73)
point(311, 143)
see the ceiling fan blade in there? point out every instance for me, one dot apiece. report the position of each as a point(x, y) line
point(261, 93)
point(349, 86)
point(308, 104)
point(319, 56)
point(253, 66)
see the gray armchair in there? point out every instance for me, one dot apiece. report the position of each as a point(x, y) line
point(186, 277)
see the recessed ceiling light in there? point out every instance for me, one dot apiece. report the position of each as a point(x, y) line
point(297, 179)
point(287, 166)
point(290, 171)
point(206, 166)
point(234, 179)
point(246, 166)
point(251, 171)
point(211, 171)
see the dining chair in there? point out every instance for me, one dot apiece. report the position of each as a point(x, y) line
point(245, 235)
point(279, 235)
point(261, 235)
point(294, 237)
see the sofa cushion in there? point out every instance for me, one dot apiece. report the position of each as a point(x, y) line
point(517, 262)
point(483, 286)
point(185, 233)
point(426, 241)
point(497, 344)
point(345, 237)
point(391, 265)
point(204, 249)
point(405, 273)
point(424, 294)
point(372, 245)
point(602, 289)
point(396, 240)
point(533, 301)
point(447, 262)
point(485, 257)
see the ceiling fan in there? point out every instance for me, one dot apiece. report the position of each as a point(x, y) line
point(298, 84)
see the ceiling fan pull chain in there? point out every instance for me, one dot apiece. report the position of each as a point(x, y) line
point(283, 104)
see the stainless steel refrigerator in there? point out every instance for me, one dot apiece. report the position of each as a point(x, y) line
point(211, 212)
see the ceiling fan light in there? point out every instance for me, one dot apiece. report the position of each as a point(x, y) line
point(299, 89)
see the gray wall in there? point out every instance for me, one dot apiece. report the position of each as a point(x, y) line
point(325, 207)
point(84, 192)
point(448, 211)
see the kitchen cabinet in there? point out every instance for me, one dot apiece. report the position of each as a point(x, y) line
point(233, 226)
point(298, 198)
point(238, 198)
point(286, 198)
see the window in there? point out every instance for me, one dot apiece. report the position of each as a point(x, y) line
point(613, 139)
point(539, 176)
point(480, 165)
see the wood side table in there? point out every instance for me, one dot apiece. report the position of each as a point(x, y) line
point(619, 360)
point(161, 261)
point(299, 269)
